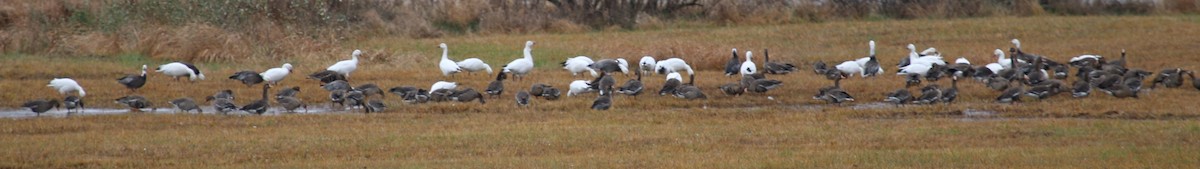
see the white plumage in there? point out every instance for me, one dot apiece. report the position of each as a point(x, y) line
point(675, 75)
point(851, 67)
point(274, 75)
point(1006, 62)
point(474, 65)
point(624, 64)
point(748, 67)
point(919, 69)
point(522, 66)
point(66, 85)
point(579, 64)
point(178, 69)
point(579, 87)
point(346, 66)
point(862, 62)
point(443, 85)
point(447, 66)
point(995, 67)
point(673, 65)
point(962, 60)
point(646, 65)
point(1082, 57)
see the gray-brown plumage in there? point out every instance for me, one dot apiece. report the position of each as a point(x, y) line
point(247, 77)
point(338, 97)
point(1171, 78)
point(912, 80)
point(375, 106)
point(223, 94)
point(690, 92)
point(836, 95)
point(356, 98)
point(998, 83)
point(496, 88)
point(1081, 89)
point(133, 82)
point(467, 95)
point(222, 105)
point(669, 87)
point(414, 97)
point(337, 85)
point(604, 83)
point(326, 76)
point(950, 94)
point(287, 92)
point(929, 95)
point(370, 89)
point(1195, 81)
point(186, 105)
point(290, 103)
point(1012, 94)
point(403, 91)
point(1124, 91)
point(607, 66)
point(732, 66)
point(522, 98)
point(602, 102)
point(537, 89)
point(73, 102)
point(633, 87)
point(733, 89)
point(899, 96)
point(551, 93)
point(440, 95)
point(820, 68)
point(134, 102)
point(40, 106)
point(785, 68)
point(1134, 78)
point(260, 106)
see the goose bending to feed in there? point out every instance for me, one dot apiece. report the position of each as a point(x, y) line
point(404, 91)
point(776, 67)
point(274, 75)
point(66, 85)
point(833, 94)
point(579, 87)
point(610, 66)
point(222, 105)
point(733, 89)
point(180, 69)
point(73, 103)
point(604, 84)
point(1195, 81)
point(899, 96)
point(467, 95)
point(551, 93)
point(537, 89)
point(690, 92)
point(674, 65)
point(336, 85)
point(1122, 90)
point(820, 68)
point(762, 85)
point(733, 66)
point(133, 82)
point(375, 106)
point(345, 67)
point(633, 87)
point(1045, 90)
point(912, 80)
point(603, 102)
point(326, 76)
point(522, 66)
point(290, 103)
point(474, 65)
point(356, 98)
point(186, 105)
point(670, 85)
point(646, 65)
point(1081, 89)
point(223, 94)
point(247, 77)
point(748, 67)
point(624, 65)
point(135, 102)
point(1012, 94)
point(850, 68)
point(443, 85)
point(579, 64)
point(416, 96)
point(259, 107)
point(41, 106)
point(522, 98)
point(929, 95)
point(370, 89)
point(287, 92)
point(496, 87)
point(441, 95)
point(447, 66)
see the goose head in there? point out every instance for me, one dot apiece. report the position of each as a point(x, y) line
point(912, 48)
point(288, 66)
point(442, 45)
point(356, 53)
point(999, 53)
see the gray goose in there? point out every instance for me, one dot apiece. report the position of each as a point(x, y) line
point(609, 66)
point(669, 87)
point(496, 87)
point(418, 96)
point(537, 89)
point(1171, 78)
point(633, 87)
point(375, 106)
point(604, 83)
point(290, 103)
point(1012, 94)
point(690, 92)
point(73, 102)
point(1195, 81)
point(733, 89)
point(441, 95)
point(185, 104)
point(326, 76)
point(522, 98)
point(785, 68)
point(135, 102)
point(370, 89)
point(41, 106)
point(949, 94)
point(551, 93)
point(133, 82)
point(900, 96)
point(603, 102)
point(403, 91)
point(1081, 89)
point(259, 107)
point(820, 68)
point(467, 95)
point(356, 98)
point(761, 85)
point(929, 94)
point(1046, 90)
point(287, 92)
point(732, 67)
point(247, 77)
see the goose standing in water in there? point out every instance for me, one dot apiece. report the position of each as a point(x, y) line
point(259, 107)
point(521, 67)
point(133, 82)
point(287, 92)
point(345, 67)
point(900, 96)
point(496, 87)
point(40, 106)
point(579, 64)
point(73, 103)
point(180, 69)
point(135, 102)
point(646, 65)
point(447, 66)
point(290, 103)
point(274, 75)
point(522, 98)
point(222, 104)
point(250, 78)
point(733, 66)
point(186, 105)
point(66, 85)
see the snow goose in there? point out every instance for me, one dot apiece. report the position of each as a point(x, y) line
point(870, 64)
point(579, 87)
point(247, 77)
point(851, 68)
point(186, 105)
point(521, 67)
point(133, 82)
point(443, 85)
point(274, 75)
point(579, 64)
point(496, 87)
point(474, 65)
point(748, 67)
point(66, 85)
point(73, 103)
point(646, 65)
point(180, 69)
point(41, 106)
point(135, 102)
point(345, 67)
point(624, 65)
point(447, 66)
point(1085, 60)
point(733, 66)
point(675, 65)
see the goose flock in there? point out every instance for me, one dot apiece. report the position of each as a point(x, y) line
point(1015, 75)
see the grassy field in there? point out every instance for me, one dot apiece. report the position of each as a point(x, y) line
point(791, 130)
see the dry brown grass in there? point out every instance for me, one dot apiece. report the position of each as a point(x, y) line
point(791, 131)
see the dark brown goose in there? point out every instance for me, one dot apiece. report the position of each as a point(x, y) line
point(41, 106)
point(247, 77)
point(733, 89)
point(259, 107)
point(222, 105)
point(900, 96)
point(370, 89)
point(537, 89)
point(929, 95)
point(633, 87)
point(375, 106)
point(496, 88)
point(522, 98)
point(1012, 94)
point(690, 92)
point(133, 82)
point(326, 76)
point(467, 95)
point(1171, 78)
point(785, 68)
point(603, 102)
point(290, 103)
point(186, 105)
point(949, 94)
point(733, 66)
point(73, 102)
point(287, 92)
point(135, 102)
point(1081, 89)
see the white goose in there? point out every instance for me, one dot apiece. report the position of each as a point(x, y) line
point(447, 66)
point(748, 67)
point(579, 87)
point(624, 65)
point(851, 68)
point(274, 75)
point(66, 85)
point(862, 62)
point(646, 65)
point(579, 64)
point(442, 85)
point(930, 57)
point(346, 66)
point(522, 66)
point(675, 65)
point(675, 75)
point(1005, 62)
point(962, 60)
point(180, 69)
point(474, 65)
